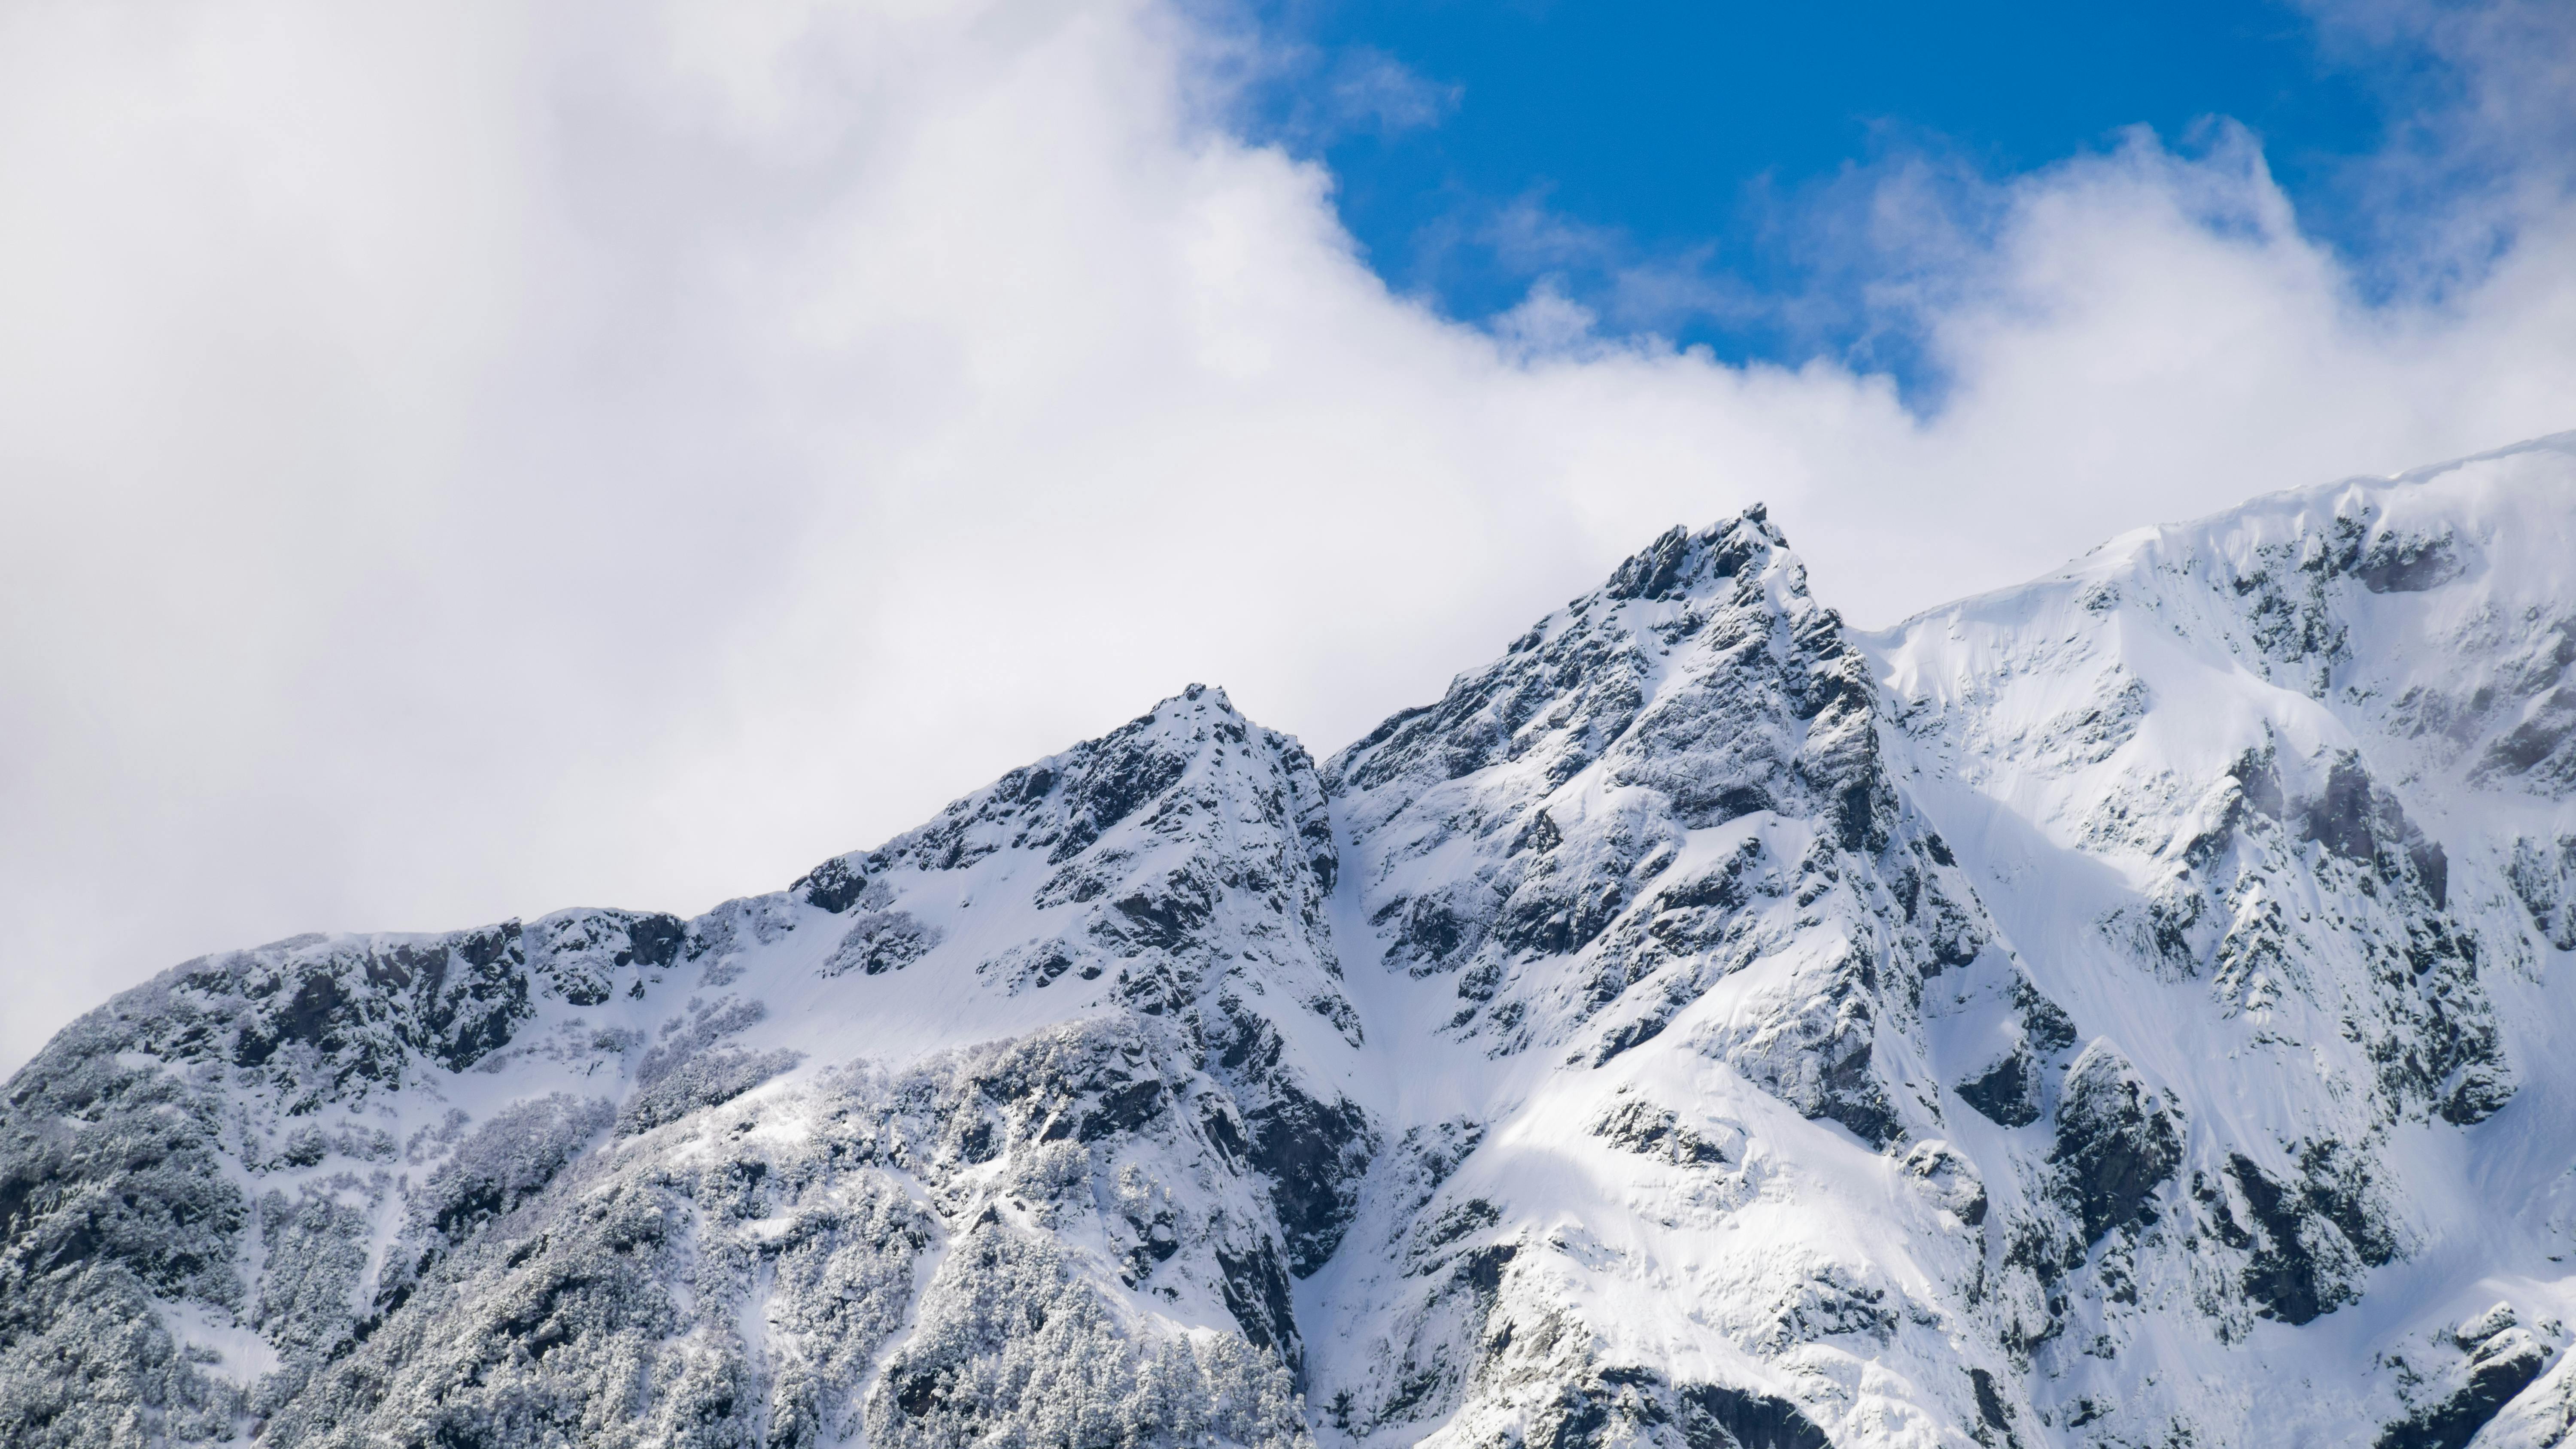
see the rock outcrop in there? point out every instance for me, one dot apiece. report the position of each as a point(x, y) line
point(2115, 1011)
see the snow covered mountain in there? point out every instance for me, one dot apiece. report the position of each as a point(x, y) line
point(2113, 1011)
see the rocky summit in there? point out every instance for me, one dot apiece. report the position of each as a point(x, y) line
point(2131, 1009)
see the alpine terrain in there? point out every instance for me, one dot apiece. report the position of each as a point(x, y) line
point(2131, 1009)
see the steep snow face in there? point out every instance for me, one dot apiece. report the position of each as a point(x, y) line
point(1646, 894)
point(2277, 805)
point(1021, 1124)
point(2121, 1010)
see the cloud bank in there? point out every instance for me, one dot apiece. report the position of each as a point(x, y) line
point(459, 460)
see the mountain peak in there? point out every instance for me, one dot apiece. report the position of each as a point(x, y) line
point(1681, 564)
point(1702, 1025)
point(1728, 598)
point(1197, 699)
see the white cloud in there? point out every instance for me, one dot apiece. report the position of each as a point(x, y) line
point(459, 461)
point(1371, 90)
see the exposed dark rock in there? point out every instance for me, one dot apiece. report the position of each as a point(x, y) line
point(1257, 1294)
point(1991, 1409)
point(2258, 779)
point(2541, 746)
point(881, 941)
point(2543, 876)
point(834, 885)
point(2499, 1367)
point(2313, 1236)
point(2117, 1142)
point(1714, 1416)
point(2342, 818)
point(1658, 573)
point(2007, 1093)
point(2402, 565)
point(2044, 1023)
point(1642, 1127)
point(1164, 914)
point(1314, 1156)
point(1122, 772)
point(2356, 819)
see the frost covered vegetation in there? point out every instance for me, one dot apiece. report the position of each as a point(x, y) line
point(2123, 1010)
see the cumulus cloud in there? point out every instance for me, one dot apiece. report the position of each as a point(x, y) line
point(459, 461)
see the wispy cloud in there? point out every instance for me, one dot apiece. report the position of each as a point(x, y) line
point(1371, 90)
point(1860, 266)
point(456, 462)
point(1311, 96)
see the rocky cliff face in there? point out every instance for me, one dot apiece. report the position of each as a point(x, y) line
point(2115, 1011)
point(1022, 1124)
point(1648, 894)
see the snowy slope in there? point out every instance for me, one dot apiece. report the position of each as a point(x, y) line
point(1646, 885)
point(2117, 1010)
point(2279, 804)
point(1068, 1051)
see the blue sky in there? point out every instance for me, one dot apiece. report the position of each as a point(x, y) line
point(1701, 170)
